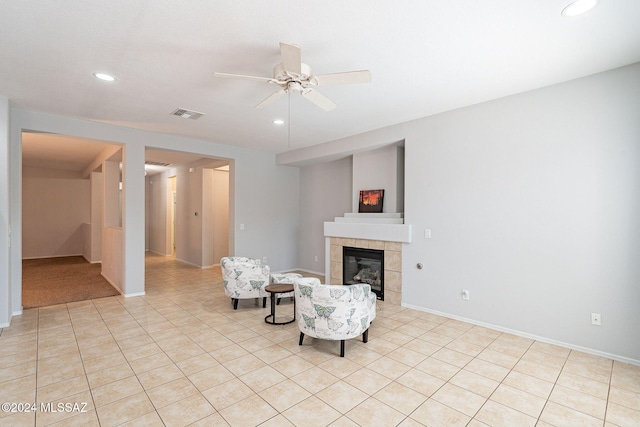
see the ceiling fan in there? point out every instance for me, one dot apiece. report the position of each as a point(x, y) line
point(292, 75)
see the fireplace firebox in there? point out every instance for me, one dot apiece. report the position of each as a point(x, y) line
point(361, 265)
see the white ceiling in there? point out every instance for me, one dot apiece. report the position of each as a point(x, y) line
point(426, 57)
point(64, 152)
point(70, 153)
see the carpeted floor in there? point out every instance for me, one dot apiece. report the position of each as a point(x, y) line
point(51, 281)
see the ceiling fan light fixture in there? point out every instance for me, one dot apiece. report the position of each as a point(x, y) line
point(579, 7)
point(104, 77)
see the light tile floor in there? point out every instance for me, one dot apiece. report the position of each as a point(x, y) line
point(180, 355)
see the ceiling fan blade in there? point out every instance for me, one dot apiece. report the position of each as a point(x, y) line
point(348, 77)
point(319, 99)
point(271, 99)
point(240, 76)
point(291, 58)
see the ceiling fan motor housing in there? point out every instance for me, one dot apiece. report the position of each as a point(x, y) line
point(284, 78)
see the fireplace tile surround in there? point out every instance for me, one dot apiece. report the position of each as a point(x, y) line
point(392, 264)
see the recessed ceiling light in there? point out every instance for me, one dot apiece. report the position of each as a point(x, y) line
point(278, 122)
point(105, 77)
point(579, 7)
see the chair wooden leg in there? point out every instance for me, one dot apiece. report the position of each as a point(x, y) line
point(341, 348)
point(235, 303)
point(301, 338)
point(365, 336)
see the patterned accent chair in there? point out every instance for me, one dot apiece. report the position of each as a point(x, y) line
point(244, 278)
point(333, 312)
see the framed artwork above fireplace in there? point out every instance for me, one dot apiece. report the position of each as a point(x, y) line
point(371, 201)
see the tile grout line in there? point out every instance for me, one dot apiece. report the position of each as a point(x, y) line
point(95, 407)
point(35, 416)
point(474, 358)
point(606, 408)
point(127, 360)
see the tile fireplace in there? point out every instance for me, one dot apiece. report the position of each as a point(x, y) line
point(392, 264)
point(384, 232)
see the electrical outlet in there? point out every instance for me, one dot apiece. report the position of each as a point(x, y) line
point(241, 226)
point(316, 258)
point(595, 319)
point(465, 294)
point(427, 233)
point(264, 259)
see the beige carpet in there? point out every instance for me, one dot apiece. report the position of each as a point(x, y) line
point(52, 281)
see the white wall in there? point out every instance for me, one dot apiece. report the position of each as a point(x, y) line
point(113, 264)
point(380, 169)
point(206, 218)
point(5, 263)
point(269, 210)
point(112, 249)
point(220, 215)
point(189, 215)
point(96, 217)
point(325, 193)
point(157, 214)
point(55, 204)
point(147, 216)
point(111, 194)
point(533, 203)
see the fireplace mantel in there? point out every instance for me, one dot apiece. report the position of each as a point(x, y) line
point(388, 227)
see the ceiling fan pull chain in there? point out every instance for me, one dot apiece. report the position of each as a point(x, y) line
point(289, 120)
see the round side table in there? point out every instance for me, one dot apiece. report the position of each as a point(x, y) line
point(274, 291)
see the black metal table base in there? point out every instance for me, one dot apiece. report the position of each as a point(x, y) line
point(274, 297)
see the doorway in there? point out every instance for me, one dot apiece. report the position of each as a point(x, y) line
point(62, 216)
point(188, 202)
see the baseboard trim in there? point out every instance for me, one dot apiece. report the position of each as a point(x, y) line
point(112, 284)
point(14, 313)
point(136, 294)
point(594, 352)
point(157, 253)
point(189, 263)
point(54, 256)
point(317, 273)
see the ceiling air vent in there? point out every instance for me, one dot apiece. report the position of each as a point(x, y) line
point(187, 114)
point(147, 162)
